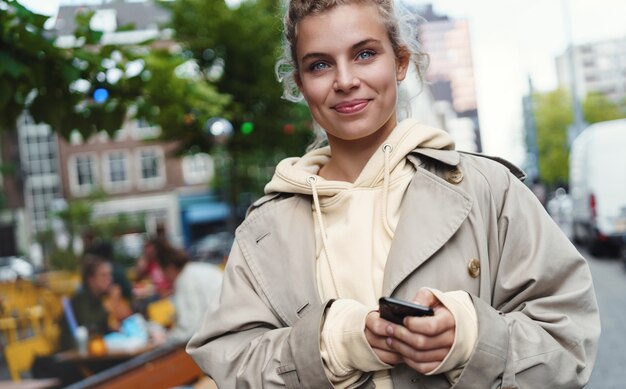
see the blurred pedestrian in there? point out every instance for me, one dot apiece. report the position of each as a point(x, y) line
point(196, 290)
point(390, 208)
point(540, 191)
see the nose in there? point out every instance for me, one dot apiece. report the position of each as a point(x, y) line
point(346, 79)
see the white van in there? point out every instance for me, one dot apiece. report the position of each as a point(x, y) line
point(597, 181)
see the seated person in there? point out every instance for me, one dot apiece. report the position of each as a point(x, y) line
point(148, 268)
point(98, 305)
point(104, 249)
point(197, 287)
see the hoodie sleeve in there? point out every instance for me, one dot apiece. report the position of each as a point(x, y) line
point(345, 350)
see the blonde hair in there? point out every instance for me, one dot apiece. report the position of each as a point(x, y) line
point(401, 27)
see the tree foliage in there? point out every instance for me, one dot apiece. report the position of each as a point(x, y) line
point(553, 114)
point(56, 85)
point(238, 48)
point(597, 108)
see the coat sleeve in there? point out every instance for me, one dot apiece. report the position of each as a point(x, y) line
point(542, 324)
point(244, 344)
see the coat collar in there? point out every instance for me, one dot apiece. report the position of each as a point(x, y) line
point(449, 157)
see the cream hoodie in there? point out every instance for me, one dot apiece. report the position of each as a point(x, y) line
point(355, 225)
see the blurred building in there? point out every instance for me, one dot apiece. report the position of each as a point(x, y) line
point(599, 67)
point(531, 160)
point(451, 75)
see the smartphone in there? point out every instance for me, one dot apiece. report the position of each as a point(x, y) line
point(396, 310)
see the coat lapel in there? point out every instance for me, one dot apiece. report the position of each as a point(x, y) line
point(432, 211)
point(279, 242)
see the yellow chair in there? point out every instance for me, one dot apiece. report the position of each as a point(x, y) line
point(161, 312)
point(8, 329)
point(20, 355)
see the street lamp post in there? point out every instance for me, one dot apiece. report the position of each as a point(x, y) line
point(220, 131)
point(579, 123)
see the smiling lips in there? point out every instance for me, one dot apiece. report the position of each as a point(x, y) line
point(353, 106)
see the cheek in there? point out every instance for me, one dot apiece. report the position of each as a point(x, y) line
point(314, 91)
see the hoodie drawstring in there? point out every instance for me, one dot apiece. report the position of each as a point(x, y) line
point(311, 180)
point(387, 149)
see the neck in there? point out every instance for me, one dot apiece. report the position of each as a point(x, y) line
point(349, 157)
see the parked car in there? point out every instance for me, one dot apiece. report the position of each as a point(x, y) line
point(12, 268)
point(598, 185)
point(212, 248)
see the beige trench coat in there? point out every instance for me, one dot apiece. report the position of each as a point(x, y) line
point(467, 224)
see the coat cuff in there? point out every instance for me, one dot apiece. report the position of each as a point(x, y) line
point(488, 359)
point(304, 351)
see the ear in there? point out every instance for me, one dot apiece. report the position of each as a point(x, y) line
point(402, 63)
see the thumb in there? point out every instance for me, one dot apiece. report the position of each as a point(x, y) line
point(426, 298)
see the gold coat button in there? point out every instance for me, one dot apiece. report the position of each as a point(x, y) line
point(473, 267)
point(454, 176)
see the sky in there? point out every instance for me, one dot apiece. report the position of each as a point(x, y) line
point(511, 40)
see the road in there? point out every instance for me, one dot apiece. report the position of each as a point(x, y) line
point(609, 277)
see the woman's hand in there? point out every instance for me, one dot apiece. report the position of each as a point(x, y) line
point(376, 335)
point(423, 342)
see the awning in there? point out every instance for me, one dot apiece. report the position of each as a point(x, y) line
point(206, 213)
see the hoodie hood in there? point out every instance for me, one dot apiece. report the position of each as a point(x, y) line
point(294, 175)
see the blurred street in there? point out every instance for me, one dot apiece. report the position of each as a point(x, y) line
point(609, 278)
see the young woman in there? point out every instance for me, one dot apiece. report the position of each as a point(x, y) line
point(390, 208)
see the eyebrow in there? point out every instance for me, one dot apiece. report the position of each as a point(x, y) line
point(355, 46)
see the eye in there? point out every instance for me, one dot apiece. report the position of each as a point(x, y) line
point(318, 66)
point(366, 54)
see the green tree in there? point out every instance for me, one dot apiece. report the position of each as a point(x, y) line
point(56, 85)
point(238, 49)
point(553, 114)
point(597, 108)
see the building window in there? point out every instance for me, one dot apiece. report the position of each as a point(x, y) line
point(197, 168)
point(83, 174)
point(41, 198)
point(151, 168)
point(116, 165)
point(37, 147)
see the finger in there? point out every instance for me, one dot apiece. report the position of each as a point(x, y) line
point(388, 357)
point(376, 341)
point(423, 342)
point(441, 322)
point(426, 298)
point(418, 356)
point(422, 367)
point(376, 324)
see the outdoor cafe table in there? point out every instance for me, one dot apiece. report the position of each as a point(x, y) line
point(166, 366)
point(89, 364)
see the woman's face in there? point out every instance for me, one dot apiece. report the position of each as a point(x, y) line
point(348, 72)
point(101, 280)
